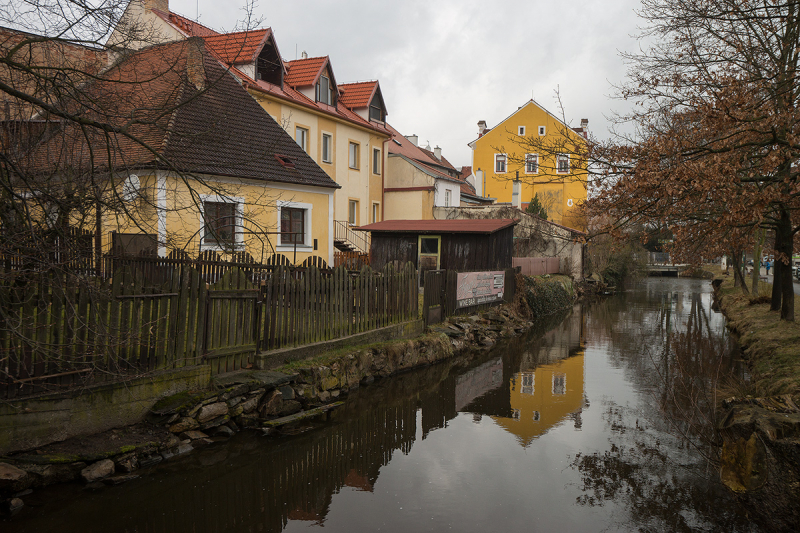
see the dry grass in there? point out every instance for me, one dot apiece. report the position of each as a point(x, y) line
point(771, 346)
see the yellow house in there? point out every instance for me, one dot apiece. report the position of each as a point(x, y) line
point(531, 153)
point(202, 167)
point(341, 126)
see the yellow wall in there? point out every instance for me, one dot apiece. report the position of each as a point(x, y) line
point(362, 183)
point(259, 214)
point(409, 205)
point(555, 190)
point(551, 406)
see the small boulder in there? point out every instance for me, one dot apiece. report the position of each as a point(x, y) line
point(193, 435)
point(212, 411)
point(12, 479)
point(98, 470)
point(184, 424)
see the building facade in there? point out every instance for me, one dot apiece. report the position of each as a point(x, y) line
point(531, 153)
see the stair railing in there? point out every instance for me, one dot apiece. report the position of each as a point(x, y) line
point(358, 239)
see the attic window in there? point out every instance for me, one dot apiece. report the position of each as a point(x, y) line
point(324, 91)
point(268, 65)
point(285, 161)
point(376, 110)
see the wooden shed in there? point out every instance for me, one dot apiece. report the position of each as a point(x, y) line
point(461, 245)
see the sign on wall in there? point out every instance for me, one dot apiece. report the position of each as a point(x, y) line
point(475, 288)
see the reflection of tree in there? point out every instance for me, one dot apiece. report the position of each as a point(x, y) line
point(672, 346)
point(660, 490)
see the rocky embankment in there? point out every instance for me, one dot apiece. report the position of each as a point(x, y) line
point(265, 401)
point(760, 432)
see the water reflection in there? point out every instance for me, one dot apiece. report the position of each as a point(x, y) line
point(469, 444)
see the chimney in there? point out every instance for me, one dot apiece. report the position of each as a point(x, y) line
point(304, 55)
point(413, 139)
point(516, 194)
point(479, 182)
point(438, 153)
point(481, 127)
point(161, 5)
point(195, 69)
point(585, 127)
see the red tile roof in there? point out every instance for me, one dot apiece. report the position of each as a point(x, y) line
point(304, 72)
point(240, 47)
point(484, 226)
point(184, 25)
point(357, 95)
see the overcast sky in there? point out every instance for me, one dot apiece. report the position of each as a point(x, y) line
point(444, 65)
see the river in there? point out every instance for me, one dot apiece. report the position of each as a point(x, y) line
point(597, 420)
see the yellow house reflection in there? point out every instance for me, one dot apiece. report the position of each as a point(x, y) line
point(544, 396)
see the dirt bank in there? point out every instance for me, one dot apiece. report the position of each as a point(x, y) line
point(760, 428)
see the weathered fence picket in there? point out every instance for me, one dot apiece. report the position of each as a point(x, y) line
point(66, 331)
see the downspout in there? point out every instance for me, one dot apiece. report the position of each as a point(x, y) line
point(383, 180)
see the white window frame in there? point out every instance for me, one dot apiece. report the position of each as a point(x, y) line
point(447, 194)
point(307, 242)
point(304, 137)
point(558, 164)
point(521, 131)
point(238, 236)
point(505, 163)
point(542, 131)
point(329, 144)
point(376, 211)
point(376, 157)
point(354, 212)
point(353, 157)
point(536, 168)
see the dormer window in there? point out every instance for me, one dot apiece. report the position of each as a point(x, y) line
point(377, 111)
point(269, 66)
point(324, 90)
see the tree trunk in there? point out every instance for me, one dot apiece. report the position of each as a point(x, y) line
point(738, 277)
point(783, 259)
point(759, 237)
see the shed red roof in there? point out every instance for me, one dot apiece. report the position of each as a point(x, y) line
point(484, 226)
point(304, 72)
point(239, 47)
point(356, 95)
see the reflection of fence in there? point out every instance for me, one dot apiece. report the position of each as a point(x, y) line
point(536, 266)
point(439, 296)
point(62, 332)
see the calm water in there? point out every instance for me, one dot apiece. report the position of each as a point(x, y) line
point(587, 424)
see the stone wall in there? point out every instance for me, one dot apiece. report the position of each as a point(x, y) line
point(533, 237)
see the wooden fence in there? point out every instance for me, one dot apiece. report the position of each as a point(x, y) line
point(439, 296)
point(537, 266)
point(319, 306)
point(63, 332)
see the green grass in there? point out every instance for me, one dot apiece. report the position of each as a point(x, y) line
point(771, 346)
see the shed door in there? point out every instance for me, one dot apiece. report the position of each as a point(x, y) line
point(429, 247)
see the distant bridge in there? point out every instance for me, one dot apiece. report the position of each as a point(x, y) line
point(660, 264)
point(666, 270)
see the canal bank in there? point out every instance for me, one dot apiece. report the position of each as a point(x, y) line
point(268, 400)
point(760, 425)
point(564, 428)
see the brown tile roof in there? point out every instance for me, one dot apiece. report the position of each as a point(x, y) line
point(152, 93)
point(238, 48)
point(186, 26)
point(357, 95)
point(304, 72)
point(484, 226)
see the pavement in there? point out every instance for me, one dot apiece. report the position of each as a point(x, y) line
point(770, 278)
